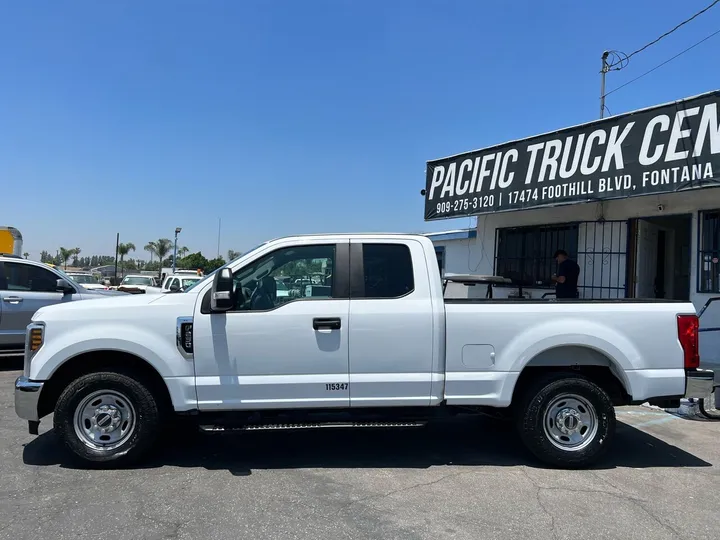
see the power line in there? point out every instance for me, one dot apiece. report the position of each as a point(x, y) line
point(671, 31)
point(666, 61)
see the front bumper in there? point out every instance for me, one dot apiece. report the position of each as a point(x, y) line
point(27, 397)
point(700, 383)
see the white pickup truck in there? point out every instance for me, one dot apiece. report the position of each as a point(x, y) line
point(375, 345)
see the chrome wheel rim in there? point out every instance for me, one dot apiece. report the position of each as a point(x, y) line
point(104, 420)
point(570, 422)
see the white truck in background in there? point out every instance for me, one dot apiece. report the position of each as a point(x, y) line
point(381, 348)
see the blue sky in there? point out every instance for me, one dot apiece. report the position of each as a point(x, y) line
point(285, 117)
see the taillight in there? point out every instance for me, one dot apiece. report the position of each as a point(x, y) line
point(688, 330)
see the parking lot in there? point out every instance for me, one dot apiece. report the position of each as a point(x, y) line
point(464, 480)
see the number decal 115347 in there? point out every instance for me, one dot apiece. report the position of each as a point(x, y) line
point(336, 386)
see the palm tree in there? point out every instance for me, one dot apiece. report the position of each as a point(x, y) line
point(150, 246)
point(76, 251)
point(162, 247)
point(124, 249)
point(65, 254)
point(232, 254)
point(26, 254)
point(183, 251)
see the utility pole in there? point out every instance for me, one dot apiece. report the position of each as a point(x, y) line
point(603, 72)
point(117, 249)
point(177, 231)
point(218, 246)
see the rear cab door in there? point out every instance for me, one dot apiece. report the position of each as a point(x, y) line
point(394, 360)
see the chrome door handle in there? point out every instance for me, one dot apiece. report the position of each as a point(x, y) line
point(12, 299)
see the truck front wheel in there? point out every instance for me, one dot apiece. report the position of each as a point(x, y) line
point(566, 421)
point(107, 417)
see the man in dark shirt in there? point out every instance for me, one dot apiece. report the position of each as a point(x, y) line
point(567, 276)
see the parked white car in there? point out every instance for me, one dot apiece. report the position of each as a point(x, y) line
point(88, 281)
point(378, 346)
point(179, 282)
point(136, 283)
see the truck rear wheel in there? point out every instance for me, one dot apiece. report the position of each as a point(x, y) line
point(107, 417)
point(566, 421)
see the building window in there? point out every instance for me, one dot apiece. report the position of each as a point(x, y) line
point(525, 254)
point(440, 255)
point(709, 252)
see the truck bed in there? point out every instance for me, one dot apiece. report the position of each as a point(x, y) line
point(488, 341)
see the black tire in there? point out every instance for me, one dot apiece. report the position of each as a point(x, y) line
point(138, 441)
point(531, 421)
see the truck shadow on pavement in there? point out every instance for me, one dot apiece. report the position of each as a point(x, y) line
point(474, 442)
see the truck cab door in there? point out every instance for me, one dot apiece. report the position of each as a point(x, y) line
point(391, 324)
point(282, 346)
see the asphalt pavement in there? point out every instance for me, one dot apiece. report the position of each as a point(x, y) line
point(459, 480)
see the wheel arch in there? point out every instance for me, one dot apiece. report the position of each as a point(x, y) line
point(590, 362)
point(102, 360)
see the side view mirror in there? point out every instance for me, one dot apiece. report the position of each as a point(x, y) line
point(222, 297)
point(64, 287)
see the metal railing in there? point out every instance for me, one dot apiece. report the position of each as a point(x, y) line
point(708, 412)
point(703, 309)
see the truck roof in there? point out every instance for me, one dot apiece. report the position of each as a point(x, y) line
point(397, 235)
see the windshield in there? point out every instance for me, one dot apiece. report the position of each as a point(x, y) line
point(137, 280)
point(201, 280)
point(63, 274)
point(82, 278)
point(204, 279)
point(189, 282)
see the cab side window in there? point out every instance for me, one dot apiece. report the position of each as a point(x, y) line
point(294, 273)
point(388, 270)
point(29, 278)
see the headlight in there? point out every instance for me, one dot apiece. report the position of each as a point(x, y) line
point(33, 341)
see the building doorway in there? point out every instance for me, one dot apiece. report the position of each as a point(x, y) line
point(660, 256)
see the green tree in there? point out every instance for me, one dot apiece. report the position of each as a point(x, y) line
point(232, 254)
point(150, 247)
point(65, 254)
point(124, 249)
point(183, 251)
point(213, 264)
point(161, 248)
point(76, 251)
point(193, 262)
point(130, 265)
point(26, 254)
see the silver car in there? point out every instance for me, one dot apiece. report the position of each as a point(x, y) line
point(25, 287)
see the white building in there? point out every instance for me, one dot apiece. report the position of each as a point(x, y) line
point(456, 251)
point(660, 246)
point(664, 244)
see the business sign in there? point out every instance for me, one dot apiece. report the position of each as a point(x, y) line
point(662, 149)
